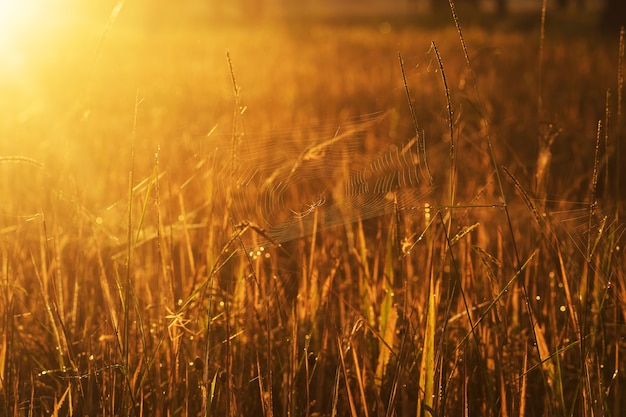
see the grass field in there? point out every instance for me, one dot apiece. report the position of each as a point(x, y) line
point(251, 219)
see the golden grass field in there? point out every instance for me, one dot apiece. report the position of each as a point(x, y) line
point(248, 218)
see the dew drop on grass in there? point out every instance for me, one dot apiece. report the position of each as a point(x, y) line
point(427, 211)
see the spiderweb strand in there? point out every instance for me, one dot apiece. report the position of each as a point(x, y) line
point(330, 177)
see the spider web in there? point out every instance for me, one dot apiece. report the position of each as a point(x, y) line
point(293, 186)
point(572, 223)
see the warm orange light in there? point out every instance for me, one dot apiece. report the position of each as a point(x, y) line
point(20, 20)
point(28, 28)
point(18, 17)
point(14, 19)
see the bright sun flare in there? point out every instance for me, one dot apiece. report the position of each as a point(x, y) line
point(23, 20)
point(23, 23)
point(17, 16)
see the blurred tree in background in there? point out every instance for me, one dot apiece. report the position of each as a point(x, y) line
point(155, 13)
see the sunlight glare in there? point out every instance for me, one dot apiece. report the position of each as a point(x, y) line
point(31, 33)
point(18, 17)
point(22, 21)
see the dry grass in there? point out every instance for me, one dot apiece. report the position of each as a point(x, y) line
point(186, 234)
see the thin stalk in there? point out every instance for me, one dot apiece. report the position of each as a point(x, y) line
point(450, 127)
point(420, 141)
point(129, 262)
point(620, 121)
